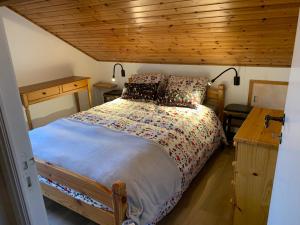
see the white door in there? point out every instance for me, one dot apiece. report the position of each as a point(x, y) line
point(16, 154)
point(285, 201)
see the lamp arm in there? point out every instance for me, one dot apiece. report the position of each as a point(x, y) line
point(117, 64)
point(236, 78)
point(231, 68)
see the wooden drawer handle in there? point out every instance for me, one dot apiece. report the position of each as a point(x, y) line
point(44, 93)
point(75, 85)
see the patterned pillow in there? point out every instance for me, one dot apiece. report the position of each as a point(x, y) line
point(141, 91)
point(147, 78)
point(162, 87)
point(185, 91)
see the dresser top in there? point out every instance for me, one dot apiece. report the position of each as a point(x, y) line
point(51, 83)
point(253, 130)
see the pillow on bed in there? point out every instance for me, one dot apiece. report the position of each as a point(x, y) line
point(147, 78)
point(142, 91)
point(184, 91)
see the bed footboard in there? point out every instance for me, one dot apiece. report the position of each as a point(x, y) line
point(115, 198)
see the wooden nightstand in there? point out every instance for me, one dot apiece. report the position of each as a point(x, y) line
point(234, 116)
point(112, 95)
point(254, 166)
point(100, 88)
point(103, 85)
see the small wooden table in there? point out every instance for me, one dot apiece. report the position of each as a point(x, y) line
point(41, 92)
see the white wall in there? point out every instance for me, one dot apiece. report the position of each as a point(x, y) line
point(234, 94)
point(39, 56)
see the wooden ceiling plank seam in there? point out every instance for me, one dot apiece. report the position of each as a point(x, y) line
point(115, 4)
point(222, 5)
point(233, 35)
point(272, 14)
point(88, 9)
point(264, 16)
point(201, 9)
point(278, 27)
point(197, 62)
point(196, 14)
point(103, 10)
point(290, 21)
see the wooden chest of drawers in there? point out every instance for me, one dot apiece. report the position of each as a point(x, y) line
point(40, 92)
point(254, 167)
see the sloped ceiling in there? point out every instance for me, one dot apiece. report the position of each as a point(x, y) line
point(223, 32)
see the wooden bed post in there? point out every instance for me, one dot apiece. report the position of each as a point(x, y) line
point(119, 201)
point(215, 98)
point(221, 99)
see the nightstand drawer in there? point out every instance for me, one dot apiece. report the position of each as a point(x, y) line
point(44, 93)
point(74, 85)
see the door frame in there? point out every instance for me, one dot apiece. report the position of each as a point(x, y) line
point(17, 212)
point(16, 157)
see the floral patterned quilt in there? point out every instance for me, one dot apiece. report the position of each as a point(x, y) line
point(189, 136)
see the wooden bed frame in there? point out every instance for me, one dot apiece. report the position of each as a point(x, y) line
point(114, 197)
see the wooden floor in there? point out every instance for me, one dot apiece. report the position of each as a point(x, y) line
point(206, 202)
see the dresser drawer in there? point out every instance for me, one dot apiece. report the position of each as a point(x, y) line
point(253, 159)
point(252, 196)
point(44, 93)
point(74, 85)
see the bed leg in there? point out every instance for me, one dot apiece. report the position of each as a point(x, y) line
point(119, 201)
point(221, 99)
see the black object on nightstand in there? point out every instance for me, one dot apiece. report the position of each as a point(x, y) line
point(234, 116)
point(112, 95)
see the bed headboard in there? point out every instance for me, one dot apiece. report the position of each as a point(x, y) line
point(215, 99)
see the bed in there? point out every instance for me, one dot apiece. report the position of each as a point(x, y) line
point(127, 162)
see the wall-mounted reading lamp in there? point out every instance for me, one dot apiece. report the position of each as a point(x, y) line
point(236, 78)
point(122, 71)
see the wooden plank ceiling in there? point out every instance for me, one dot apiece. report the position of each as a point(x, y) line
point(223, 32)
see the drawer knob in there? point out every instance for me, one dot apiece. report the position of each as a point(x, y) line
point(44, 93)
point(75, 85)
